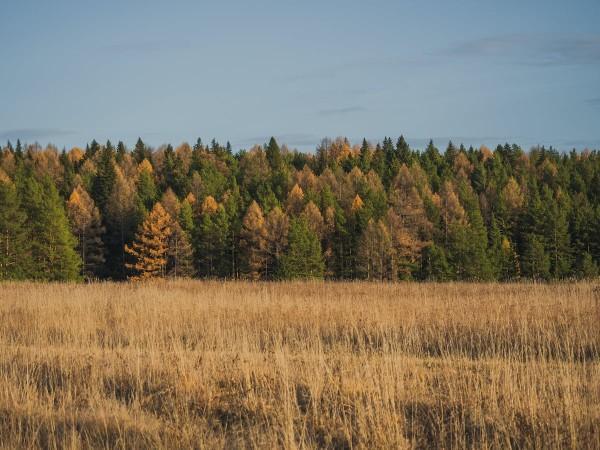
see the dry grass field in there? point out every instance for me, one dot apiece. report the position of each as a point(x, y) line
point(299, 365)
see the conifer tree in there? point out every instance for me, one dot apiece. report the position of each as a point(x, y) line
point(121, 222)
point(277, 226)
point(180, 256)
point(150, 247)
point(435, 265)
point(146, 188)
point(212, 240)
point(54, 257)
point(374, 254)
point(140, 151)
point(303, 258)
point(15, 256)
point(86, 225)
point(104, 180)
point(295, 201)
point(273, 154)
point(253, 243)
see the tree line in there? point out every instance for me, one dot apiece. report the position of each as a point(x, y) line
point(379, 211)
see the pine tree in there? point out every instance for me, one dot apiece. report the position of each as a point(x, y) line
point(150, 247)
point(15, 256)
point(365, 157)
point(212, 240)
point(535, 260)
point(104, 180)
point(273, 154)
point(303, 258)
point(277, 226)
point(146, 188)
point(121, 221)
point(86, 224)
point(435, 265)
point(121, 152)
point(140, 152)
point(180, 256)
point(52, 244)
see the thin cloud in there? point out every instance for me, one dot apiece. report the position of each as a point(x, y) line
point(29, 134)
point(342, 111)
point(531, 49)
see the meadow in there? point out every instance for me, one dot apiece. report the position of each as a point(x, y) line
point(207, 364)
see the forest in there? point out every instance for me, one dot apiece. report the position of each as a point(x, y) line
point(372, 211)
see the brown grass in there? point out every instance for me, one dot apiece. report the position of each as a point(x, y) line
point(299, 365)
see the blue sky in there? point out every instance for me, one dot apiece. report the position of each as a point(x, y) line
point(478, 72)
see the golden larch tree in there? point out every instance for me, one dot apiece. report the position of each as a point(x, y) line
point(86, 224)
point(253, 242)
point(151, 245)
point(295, 201)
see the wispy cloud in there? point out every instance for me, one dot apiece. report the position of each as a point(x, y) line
point(30, 134)
point(532, 49)
point(341, 111)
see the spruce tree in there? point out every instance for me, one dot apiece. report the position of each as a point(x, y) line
point(52, 243)
point(273, 153)
point(15, 256)
point(303, 258)
point(104, 181)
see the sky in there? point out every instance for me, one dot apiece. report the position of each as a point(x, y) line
point(476, 72)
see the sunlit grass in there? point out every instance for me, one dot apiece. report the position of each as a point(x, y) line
point(299, 365)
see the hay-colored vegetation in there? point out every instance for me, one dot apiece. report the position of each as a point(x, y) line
point(299, 365)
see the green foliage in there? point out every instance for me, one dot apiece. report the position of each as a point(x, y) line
point(15, 247)
point(303, 258)
point(52, 243)
point(435, 266)
point(463, 214)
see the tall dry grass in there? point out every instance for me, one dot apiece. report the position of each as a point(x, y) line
point(299, 365)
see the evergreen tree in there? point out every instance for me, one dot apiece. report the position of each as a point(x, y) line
point(52, 244)
point(15, 256)
point(121, 152)
point(303, 258)
point(435, 265)
point(104, 180)
point(273, 154)
point(146, 188)
point(141, 152)
point(121, 220)
point(535, 260)
point(180, 257)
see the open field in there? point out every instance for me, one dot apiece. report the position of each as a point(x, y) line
point(299, 365)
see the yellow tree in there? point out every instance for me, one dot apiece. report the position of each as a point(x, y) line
point(314, 219)
point(295, 201)
point(375, 254)
point(253, 242)
point(85, 221)
point(151, 245)
point(277, 225)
